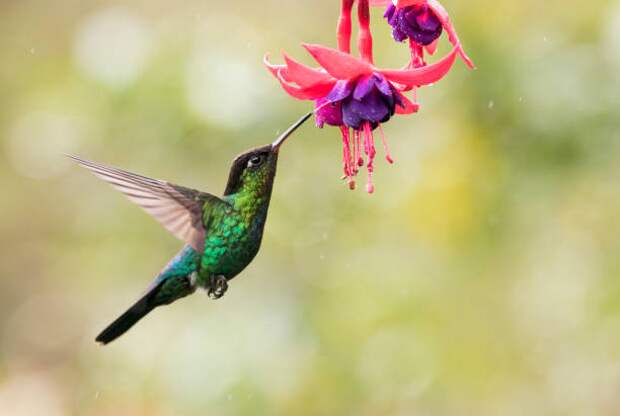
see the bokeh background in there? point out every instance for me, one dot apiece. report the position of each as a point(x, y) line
point(482, 277)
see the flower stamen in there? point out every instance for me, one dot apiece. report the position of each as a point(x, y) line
point(388, 157)
point(369, 148)
point(360, 159)
point(346, 156)
point(417, 55)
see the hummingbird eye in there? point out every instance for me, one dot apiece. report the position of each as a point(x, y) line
point(255, 161)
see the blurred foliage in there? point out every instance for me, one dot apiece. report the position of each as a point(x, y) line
point(481, 277)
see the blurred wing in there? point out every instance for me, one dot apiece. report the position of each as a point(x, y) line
point(178, 209)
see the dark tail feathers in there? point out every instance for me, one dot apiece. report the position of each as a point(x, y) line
point(127, 320)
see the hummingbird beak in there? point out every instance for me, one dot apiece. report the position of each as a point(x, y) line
point(278, 142)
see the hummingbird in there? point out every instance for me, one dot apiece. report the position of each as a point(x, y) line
point(222, 235)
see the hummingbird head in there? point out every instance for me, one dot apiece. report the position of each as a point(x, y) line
point(255, 169)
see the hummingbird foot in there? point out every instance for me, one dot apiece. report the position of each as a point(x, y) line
point(218, 285)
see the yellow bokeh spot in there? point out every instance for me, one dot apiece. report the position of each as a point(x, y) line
point(445, 205)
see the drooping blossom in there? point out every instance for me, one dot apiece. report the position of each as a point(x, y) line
point(417, 23)
point(356, 96)
point(422, 22)
point(352, 93)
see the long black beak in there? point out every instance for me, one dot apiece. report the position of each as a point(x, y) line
point(278, 142)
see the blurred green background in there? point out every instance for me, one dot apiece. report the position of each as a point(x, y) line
point(482, 277)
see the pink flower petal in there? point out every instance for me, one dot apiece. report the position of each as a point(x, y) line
point(404, 3)
point(423, 75)
point(303, 75)
point(409, 108)
point(380, 3)
point(338, 64)
point(432, 47)
point(272, 67)
point(310, 93)
point(444, 18)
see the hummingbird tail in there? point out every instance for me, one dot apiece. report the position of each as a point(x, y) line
point(176, 280)
point(122, 324)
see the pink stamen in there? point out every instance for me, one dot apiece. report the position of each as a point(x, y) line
point(354, 155)
point(364, 37)
point(358, 151)
point(353, 161)
point(371, 152)
point(346, 152)
point(346, 157)
point(417, 55)
point(369, 143)
point(388, 157)
point(344, 26)
point(370, 187)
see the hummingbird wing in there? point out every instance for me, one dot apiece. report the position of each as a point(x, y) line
point(178, 209)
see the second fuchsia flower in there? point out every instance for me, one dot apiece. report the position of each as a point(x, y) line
point(422, 22)
point(352, 93)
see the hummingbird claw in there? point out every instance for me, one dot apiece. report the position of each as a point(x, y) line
point(218, 285)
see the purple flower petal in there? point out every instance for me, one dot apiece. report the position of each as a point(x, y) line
point(398, 99)
point(341, 90)
point(370, 98)
point(364, 85)
point(398, 35)
point(351, 117)
point(330, 113)
point(418, 23)
point(426, 20)
point(371, 108)
point(389, 12)
point(382, 84)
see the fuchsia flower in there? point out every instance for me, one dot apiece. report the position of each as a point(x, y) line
point(352, 93)
point(422, 22)
point(417, 23)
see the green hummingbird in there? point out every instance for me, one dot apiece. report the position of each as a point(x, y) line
point(222, 235)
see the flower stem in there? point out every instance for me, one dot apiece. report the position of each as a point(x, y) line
point(344, 26)
point(364, 40)
point(417, 55)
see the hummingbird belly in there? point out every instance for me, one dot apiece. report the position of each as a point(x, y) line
point(230, 248)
